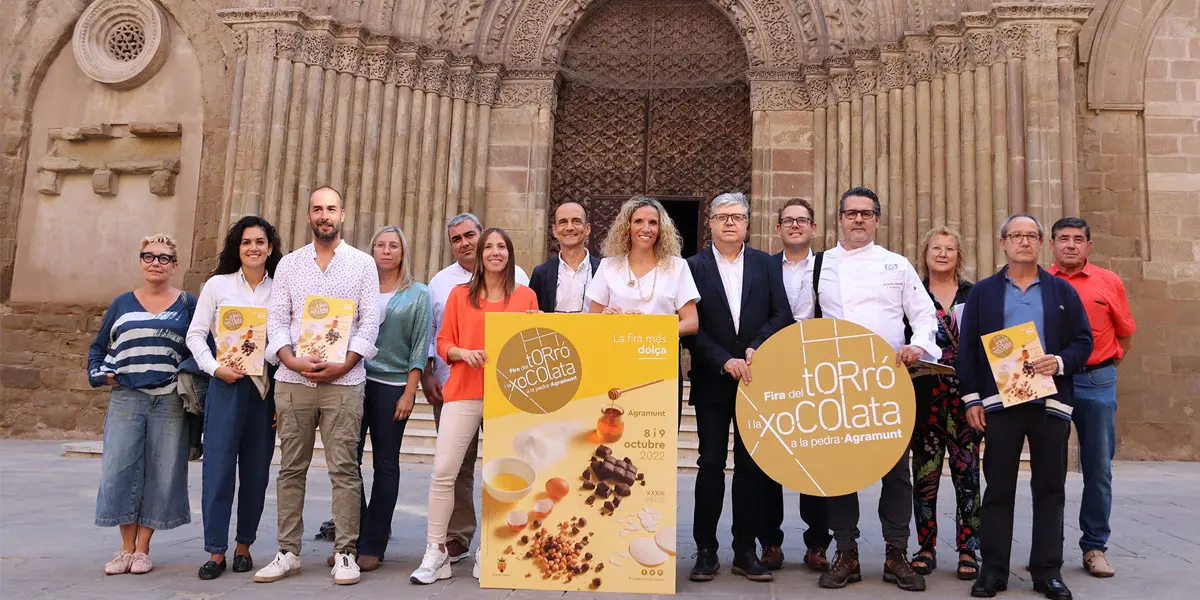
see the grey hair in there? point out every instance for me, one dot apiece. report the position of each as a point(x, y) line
point(727, 199)
point(1020, 215)
point(462, 218)
point(406, 278)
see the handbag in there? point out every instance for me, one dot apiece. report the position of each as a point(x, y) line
point(192, 386)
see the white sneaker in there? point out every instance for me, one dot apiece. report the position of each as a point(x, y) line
point(435, 566)
point(475, 569)
point(284, 565)
point(345, 569)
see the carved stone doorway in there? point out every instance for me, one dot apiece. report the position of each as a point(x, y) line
point(654, 101)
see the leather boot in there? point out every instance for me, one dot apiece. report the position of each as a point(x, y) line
point(845, 571)
point(897, 570)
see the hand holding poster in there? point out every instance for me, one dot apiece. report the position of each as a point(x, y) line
point(828, 411)
point(242, 338)
point(1010, 352)
point(580, 455)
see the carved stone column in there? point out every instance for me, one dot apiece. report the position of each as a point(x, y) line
point(919, 55)
point(895, 76)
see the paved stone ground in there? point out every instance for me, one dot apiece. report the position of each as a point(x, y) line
point(50, 549)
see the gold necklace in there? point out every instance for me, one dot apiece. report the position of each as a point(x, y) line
point(635, 282)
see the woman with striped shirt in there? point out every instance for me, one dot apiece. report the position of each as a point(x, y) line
point(143, 474)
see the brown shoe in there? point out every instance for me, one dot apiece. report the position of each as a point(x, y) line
point(457, 551)
point(1096, 563)
point(897, 570)
point(772, 557)
point(329, 562)
point(367, 563)
point(815, 559)
point(846, 570)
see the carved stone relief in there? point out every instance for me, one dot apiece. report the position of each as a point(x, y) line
point(121, 43)
point(106, 150)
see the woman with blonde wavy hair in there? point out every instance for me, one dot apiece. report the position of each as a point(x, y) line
point(941, 426)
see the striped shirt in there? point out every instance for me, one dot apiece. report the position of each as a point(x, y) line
point(142, 349)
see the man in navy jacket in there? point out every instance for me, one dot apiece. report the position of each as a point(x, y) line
point(1022, 292)
point(561, 282)
point(742, 303)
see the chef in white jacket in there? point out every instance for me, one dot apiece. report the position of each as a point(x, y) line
point(877, 289)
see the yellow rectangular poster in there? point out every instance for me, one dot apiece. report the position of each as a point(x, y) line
point(580, 453)
point(1009, 352)
point(325, 328)
point(242, 338)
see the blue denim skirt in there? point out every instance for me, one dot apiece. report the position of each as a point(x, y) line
point(143, 473)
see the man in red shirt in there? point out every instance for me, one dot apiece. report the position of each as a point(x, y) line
point(1103, 296)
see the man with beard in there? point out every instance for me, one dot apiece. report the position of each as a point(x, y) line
point(561, 282)
point(312, 392)
point(877, 289)
point(463, 232)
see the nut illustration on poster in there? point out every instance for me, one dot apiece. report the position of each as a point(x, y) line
point(828, 411)
point(581, 452)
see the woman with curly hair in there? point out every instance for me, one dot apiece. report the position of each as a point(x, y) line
point(643, 272)
point(941, 425)
point(239, 409)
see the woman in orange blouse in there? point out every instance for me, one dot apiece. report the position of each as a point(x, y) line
point(493, 288)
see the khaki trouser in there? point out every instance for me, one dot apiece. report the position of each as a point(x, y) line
point(458, 432)
point(462, 520)
point(337, 409)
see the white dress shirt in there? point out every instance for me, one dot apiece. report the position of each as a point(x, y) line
point(878, 289)
point(659, 292)
point(439, 290)
point(571, 293)
point(798, 279)
point(731, 279)
point(350, 275)
point(219, 291)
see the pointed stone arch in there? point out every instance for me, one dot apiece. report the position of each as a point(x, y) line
point(1117, 73)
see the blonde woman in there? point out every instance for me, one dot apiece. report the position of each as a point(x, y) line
point(392, 378)
point(941, 426)
point(138, 350)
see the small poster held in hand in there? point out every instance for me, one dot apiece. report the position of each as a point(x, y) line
point(242, 338)
point(1011, 353)
point(325, 328)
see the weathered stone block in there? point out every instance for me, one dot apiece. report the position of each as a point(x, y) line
point(162, 183)
point(25, 378)
point(98, 131)
point(104, 183)
point(49, 183)
point(156, 129)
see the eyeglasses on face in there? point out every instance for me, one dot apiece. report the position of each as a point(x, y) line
point(163, 259)
point(851, 214)
point(729, 218)
point(1017, 237)
point(795, 221)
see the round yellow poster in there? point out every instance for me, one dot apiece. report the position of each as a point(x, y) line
point(828, 411)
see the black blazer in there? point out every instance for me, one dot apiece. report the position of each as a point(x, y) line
point(544, 281)
point(765, 310)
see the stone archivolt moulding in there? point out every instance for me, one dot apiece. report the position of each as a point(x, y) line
point(121, 43)
point(128, 156)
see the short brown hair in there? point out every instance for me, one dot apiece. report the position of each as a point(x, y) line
point(812, 215)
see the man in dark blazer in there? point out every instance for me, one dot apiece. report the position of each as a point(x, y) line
point(742, 302)
point(561, 282)
point(1023, 292)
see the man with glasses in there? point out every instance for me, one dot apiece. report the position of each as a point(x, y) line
point(1019, 293)
point(877, 289)
point(804, 272)
point(463, 233)
point(1107, 306)
point(561, 282)
point(742, 303)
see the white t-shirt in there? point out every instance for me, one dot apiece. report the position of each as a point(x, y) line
point(659, 292)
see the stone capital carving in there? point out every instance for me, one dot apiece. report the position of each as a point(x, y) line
point(541, 93)
point(377, 64)
point(981, 46)
point(918, 53)
point(818, 89)
point(948, 53)
point(289, 43)
point(866, 74)
point(895, 70)
point(1016, 38)
point(844, 87)
point(405, 69)
point(318, 49)
point(346, 57)
point(1067, 36)
point(779, 95)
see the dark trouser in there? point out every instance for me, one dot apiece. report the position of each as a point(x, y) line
point(1004, 438)
point(712, 424)
point(814, 511)
point(375, 522)
point(238, 443)
point(942, 429)
point(895, 511)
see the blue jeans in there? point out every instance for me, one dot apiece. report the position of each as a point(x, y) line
point(144, 470)
point(375, 522)
point(238, 443)
point(1095, 424)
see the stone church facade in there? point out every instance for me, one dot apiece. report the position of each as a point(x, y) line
point(120, 118)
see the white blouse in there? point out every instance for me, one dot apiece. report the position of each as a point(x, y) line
point(659, 292)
